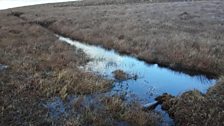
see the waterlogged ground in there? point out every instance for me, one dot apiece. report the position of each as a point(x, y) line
point(151, 80)
point(2, 67)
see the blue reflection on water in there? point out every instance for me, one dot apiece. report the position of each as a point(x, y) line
point(152, 79)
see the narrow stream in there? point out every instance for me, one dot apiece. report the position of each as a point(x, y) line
point(151, 80)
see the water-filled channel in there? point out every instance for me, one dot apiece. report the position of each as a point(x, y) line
point(152, 80)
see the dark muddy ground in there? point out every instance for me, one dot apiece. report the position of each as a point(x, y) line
point(180, 35)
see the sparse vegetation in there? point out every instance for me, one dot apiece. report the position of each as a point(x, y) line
point(120, 75)
point(40, 68)
point(107, 110)
point(184, 36)
point(133, 113)
point(114, 2)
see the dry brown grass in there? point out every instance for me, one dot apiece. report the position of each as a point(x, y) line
point(120, 75)
point(218, 89)
point(112, 111)
point(193, 107)
point(114, 2)
point(131, 113)
point(42, 68)
point(39, 67)
point(183, 35)
point(69, 82)
point(178, 35)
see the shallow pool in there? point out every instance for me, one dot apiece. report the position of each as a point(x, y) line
point(151, 81)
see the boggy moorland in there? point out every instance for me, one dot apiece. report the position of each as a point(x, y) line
point(186, 36)
point(41, 68)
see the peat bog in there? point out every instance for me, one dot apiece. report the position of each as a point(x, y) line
point(114, 67)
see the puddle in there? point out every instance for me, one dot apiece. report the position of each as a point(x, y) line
point(6, 4)
point(3, 67)
point(151, 81)
point(58, 108)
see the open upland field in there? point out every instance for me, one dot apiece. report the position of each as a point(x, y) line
point(36, 68)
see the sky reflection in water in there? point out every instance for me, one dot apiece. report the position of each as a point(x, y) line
point(152, 79)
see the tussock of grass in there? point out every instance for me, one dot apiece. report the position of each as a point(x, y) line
point(193, 107)
point(111, 111)
point(39, 67)
point(218, 89)
point(120, 75)
point(131, 113)
point(69, 81)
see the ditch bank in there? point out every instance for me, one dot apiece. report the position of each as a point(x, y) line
point(214, 71)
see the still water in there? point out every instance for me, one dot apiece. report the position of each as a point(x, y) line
point(152, 80)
